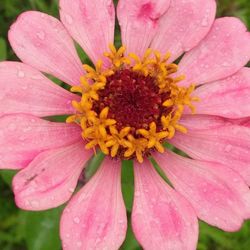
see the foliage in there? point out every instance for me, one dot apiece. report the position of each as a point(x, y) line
point(21, 230)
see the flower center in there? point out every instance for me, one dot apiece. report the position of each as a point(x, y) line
point(134, 106)
point(133, 99)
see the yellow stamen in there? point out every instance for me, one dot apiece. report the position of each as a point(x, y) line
point(98, 130)
point(117, 139)
point(117, 58)
point(153, 137)
point(136, 146)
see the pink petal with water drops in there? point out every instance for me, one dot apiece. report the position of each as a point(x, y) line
point(228, 98)
point(42, 41)
point(161, 218)
point(96, 216)
point(90, 23)
point(183, 26)
point(139, 21)
point(224, 143)
point(219, 195)
point(23, 137)
point(224, 51)
point(26, 90)
point(51, 178)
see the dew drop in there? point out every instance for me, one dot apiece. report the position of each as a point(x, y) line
point(97, 241)
point(20, 74)
point(41, 35)
point(67, 210)
point(12, 127)
point(228, 148)
point(24, 87)
point(137, 194)
point(22, 138)
point(78, 243)
point(68, 19)
point(204, 22)
point(235, 179)
point(34, 204)
point(25, 130)
point(77, 220)
point(2, 95)
point(225, 64)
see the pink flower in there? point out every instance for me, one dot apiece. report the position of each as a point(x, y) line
point(212, 184)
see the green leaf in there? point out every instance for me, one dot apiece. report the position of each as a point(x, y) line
point(7, 176)
point(128, 184)
point(42, 230)
point(3, 49)
point(130, 242)
point(83, 56)
point(93, 164)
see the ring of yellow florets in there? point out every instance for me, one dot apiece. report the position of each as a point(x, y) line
point(101, 130)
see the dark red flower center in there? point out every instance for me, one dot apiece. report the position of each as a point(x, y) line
point(133, 100)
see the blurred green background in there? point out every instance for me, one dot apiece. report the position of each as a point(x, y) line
point(20, 230)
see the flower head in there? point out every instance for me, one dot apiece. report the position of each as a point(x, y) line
point(131, 103)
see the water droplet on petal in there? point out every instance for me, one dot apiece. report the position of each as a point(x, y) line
point(20, 74)
point(204, 22)
point(41, 35)
point(77, 220)
point(78, 243)
point(34, 204)
point(137, 193)
point(68, 19)
point(22, 138)
point(12, 127)
point(228, 148)
point(24, 86)
point(25, 130)
point(225, 64)
point(2, 95)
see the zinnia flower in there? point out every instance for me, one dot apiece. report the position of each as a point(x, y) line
point(129, 104)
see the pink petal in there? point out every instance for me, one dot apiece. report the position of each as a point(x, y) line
point(227, 144)
point(26, 90)
point(41, 41)
point(139, 21)
point(228, 98)
point(51, 178)
point(245, 122)
point(193, 122)
point(183, 26)
point(161, 218)
point(218, 194)
point(90, 23)
point(96, 217)
point(23, 137)
point(224, 51)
